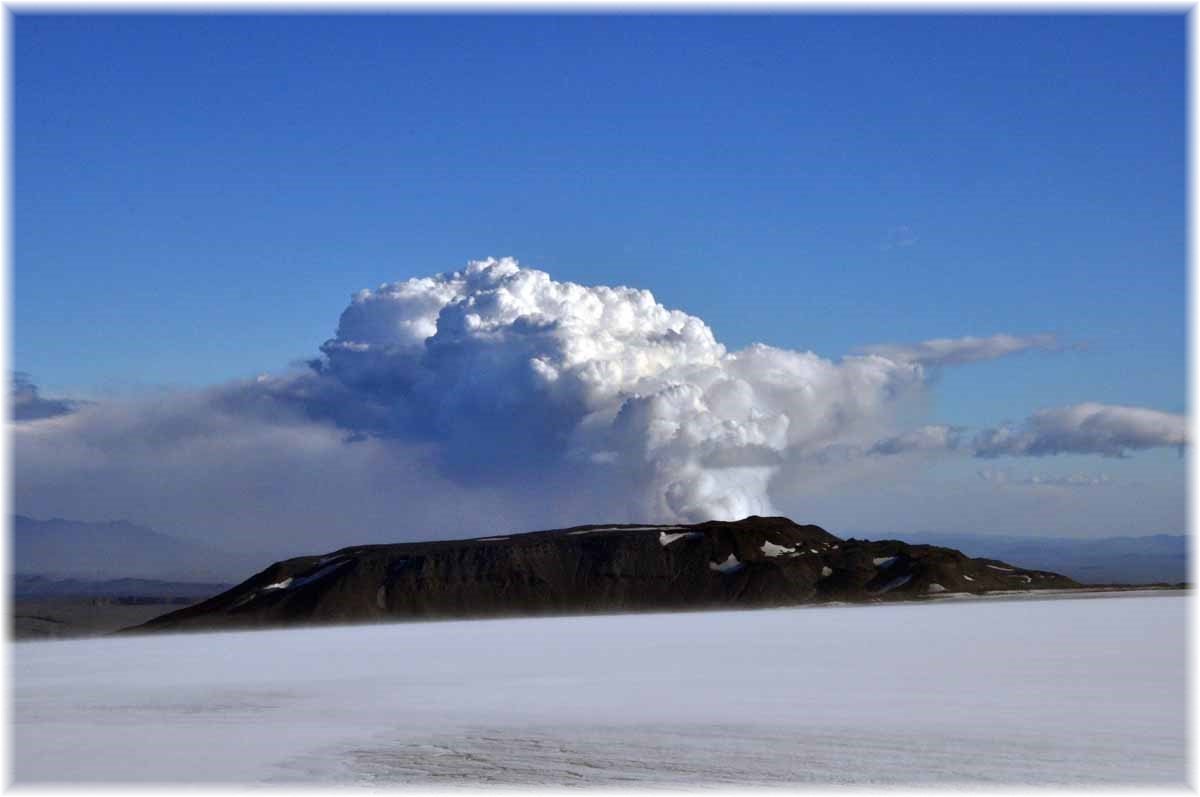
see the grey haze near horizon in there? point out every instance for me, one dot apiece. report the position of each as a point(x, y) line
point(497, 399)
point(60, 549)
point(57, 556)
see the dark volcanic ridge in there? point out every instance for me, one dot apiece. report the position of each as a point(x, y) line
point(756, 562)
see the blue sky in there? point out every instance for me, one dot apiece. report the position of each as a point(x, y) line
point(197, 197)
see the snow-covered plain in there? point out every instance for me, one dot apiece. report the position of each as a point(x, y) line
point(1047, 691)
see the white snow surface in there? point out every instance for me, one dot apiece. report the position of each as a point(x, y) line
point(1083, 690)
point(1002, 569)
point(935, 587)
point(771, 549)
point(884, 561)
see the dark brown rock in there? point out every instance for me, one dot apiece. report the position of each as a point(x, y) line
point(755, 562)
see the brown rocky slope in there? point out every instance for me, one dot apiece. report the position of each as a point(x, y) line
point(755, 562)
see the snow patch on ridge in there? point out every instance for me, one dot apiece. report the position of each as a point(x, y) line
point(294, 582)
point(771, 549)
point(665, 539)
point(730, 565)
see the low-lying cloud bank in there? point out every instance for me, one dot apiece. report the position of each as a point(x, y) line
point(538, 399)
point(1090, 428)
point(1106, 429)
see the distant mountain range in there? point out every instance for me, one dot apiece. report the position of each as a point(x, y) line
point(69, 549)
point(44, 588)
point(1160, 558)
point(755, 562)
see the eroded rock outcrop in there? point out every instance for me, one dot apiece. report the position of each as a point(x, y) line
point(755, 562)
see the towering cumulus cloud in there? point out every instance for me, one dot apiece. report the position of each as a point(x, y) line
point(497, 396)
point(512, 374)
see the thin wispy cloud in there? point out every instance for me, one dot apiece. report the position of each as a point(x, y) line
point(925, 438)
point(899, 237)
point(961, 351)
point(1069, 481)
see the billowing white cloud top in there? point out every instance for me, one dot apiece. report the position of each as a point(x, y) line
point(509, 372)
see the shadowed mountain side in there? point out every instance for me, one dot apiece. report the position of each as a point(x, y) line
point(755, 562)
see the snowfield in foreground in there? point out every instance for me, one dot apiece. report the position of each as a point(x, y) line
point(1051, 691)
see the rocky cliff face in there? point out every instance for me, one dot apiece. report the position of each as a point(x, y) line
point(755, 562)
